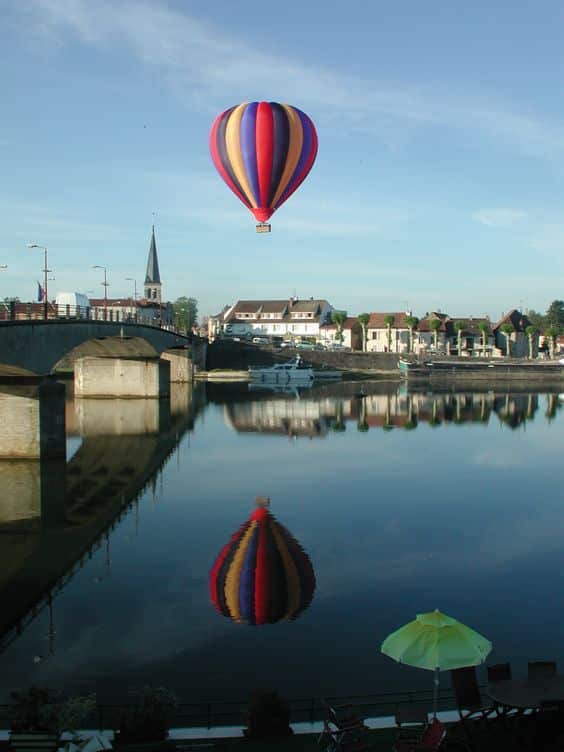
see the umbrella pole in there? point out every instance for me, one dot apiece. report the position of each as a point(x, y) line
point(435, 692)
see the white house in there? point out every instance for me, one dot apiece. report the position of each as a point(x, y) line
point(381, 338)
point(278, 318)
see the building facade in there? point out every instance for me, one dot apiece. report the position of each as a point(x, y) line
point(271, 318)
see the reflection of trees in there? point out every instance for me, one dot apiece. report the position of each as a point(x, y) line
point(552, 406)
point(362, 424)
point(338, 424)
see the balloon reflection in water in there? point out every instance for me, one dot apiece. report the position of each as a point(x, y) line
point(262, 575)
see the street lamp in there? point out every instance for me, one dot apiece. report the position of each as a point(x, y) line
point(45, 271)
point(106, 284)
point(131, 279)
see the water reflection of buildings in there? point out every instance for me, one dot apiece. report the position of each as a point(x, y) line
point(317, 414)
point(54, 516)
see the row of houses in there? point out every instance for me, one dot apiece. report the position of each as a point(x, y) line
point(395, 331)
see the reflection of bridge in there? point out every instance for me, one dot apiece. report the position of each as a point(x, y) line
point(70, 507)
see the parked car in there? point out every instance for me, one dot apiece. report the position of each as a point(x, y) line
point(305, 346)
point(286, 343)
point(261, 341)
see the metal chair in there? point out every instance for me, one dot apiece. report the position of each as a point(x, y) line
point(502, 672)
point(431, 740)
point(411, 722)
point(468, 698)
point(541, 669)
point(499, 672)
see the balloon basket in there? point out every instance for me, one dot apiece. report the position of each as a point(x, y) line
point(263, 227)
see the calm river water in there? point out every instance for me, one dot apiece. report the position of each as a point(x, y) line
point(402, 501)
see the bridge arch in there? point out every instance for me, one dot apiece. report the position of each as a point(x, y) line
point(37, 348)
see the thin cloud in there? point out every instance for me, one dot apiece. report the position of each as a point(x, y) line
point(498, 217)
point(211, 69)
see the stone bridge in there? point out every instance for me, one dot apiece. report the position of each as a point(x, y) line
point(39, 348)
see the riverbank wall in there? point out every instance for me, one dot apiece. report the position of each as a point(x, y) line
point(238, 356)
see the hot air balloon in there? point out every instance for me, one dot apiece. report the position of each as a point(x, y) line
point(263, 151)
point(262, 575)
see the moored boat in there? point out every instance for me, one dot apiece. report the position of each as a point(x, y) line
point(283, 373)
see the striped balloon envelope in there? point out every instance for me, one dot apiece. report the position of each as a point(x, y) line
point(263, 151)
point(262, 575)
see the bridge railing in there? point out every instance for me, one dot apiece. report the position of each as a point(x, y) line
point(16, 311)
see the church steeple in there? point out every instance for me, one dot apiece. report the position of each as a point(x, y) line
point(152, 277)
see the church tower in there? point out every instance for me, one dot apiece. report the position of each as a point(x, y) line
point(153, 278)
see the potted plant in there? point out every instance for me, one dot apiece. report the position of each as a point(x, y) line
point(71, 716)
point(143, 727)
point(39, 717)
point(268, 716)
point(34, 720)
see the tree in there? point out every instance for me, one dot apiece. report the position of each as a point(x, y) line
point(459, 327)
point(363, 320)
point(555, 314)
point(536, 319)
point(411, 323)
point(552, 332)
point(484, 328)
point(435, 325)
point(531, 333)
point(339, 318)
point(389, 321)
point(185, 313)
point(507, 330)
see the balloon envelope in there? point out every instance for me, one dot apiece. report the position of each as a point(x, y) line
point(263, 151)
point(262, 575)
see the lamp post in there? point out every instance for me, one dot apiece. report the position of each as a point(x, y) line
point(132, 279)
point(45, 272)
point(105, 283)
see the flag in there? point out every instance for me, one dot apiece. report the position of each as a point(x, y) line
point(40, 293)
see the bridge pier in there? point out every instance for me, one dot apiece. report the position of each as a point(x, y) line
point(122, 377)
point(181, 365)
point(32, 417)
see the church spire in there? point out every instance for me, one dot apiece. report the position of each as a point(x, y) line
point(153, 277)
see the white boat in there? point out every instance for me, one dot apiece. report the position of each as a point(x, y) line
point(282, 373)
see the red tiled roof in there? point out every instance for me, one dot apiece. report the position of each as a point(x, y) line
point(377, 320)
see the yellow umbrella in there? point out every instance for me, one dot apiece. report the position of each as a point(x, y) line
point(436, 642)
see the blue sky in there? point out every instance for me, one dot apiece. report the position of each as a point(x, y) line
point(438, 183)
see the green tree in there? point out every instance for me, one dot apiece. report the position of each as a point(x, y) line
point(435, 325)
point(339, 318)
point(185, 313)
point(363, 320)
point(484, 328)
point(507, 330)
point(552, 332)
point(411, 322)
point(537, 319)
point(389, 321)
point(555, 314)
point(531, 333)
point(459, 328)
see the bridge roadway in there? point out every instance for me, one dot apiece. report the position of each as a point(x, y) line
point(38, 347)
point(105, 476)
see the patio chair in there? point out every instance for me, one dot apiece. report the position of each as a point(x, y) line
point(431, 740)
point(468, 698)
point(411, 722)
point(501, 672)
point(343, 718)
point(541, 669)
